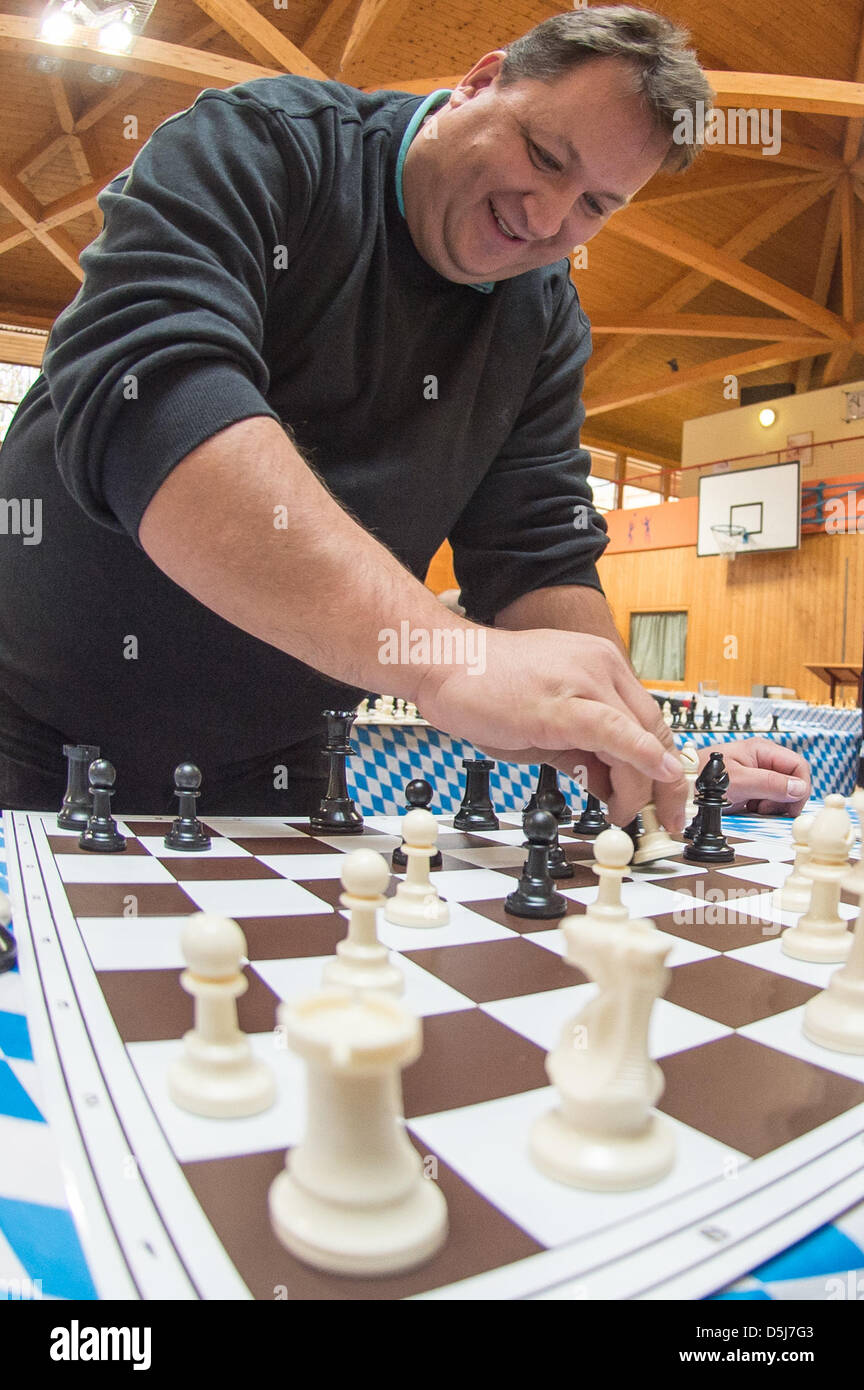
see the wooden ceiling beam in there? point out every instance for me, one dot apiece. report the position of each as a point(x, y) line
point(260, 38)
point(753, 234)
point(800, 155)
point(191, 67)
point(822, 280)
point(819, 95)
point(18, 200)
point(851, 272)
point(738, 364)
point(22, 349)
point(647, 230)
point(592, 441)
point(700, 326)
point(692, 188)
point(373, 23)
point(322, 28)
point(419, 86)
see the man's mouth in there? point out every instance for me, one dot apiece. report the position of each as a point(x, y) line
point(502, 226)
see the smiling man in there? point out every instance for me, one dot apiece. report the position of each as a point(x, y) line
point(320, 331)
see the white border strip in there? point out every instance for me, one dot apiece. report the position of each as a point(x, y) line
point(165, 1228)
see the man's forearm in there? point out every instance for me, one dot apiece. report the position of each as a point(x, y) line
point(571, 607)
point(243, 524)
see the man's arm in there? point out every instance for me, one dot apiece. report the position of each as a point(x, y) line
point(323, 589)
point(571, 607)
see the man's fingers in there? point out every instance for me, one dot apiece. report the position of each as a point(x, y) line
point(616, 738)
point(761, 784)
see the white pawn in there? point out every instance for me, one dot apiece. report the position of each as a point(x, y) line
point(376, 714)
point(667, 712)
point(362, 711)
point(690, 762)
point(416, 902)
point(835, 1018)
point(388, 707)
point(361, 960)
point(218, 1075)
point(654, 843)
point(352, 1197)
point(411, 711)
point(794, 894)
point(604, 1135)
point(399, 712)
point(613, 850)
point(821, 934)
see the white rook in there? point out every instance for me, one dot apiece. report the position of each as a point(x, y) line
point(352, 1198)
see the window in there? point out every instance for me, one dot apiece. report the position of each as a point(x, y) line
point(658, 643)
point(15, 382)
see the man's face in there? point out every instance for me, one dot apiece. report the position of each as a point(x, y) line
point(552, 161)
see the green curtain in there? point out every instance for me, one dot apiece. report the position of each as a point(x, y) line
point(657, 645)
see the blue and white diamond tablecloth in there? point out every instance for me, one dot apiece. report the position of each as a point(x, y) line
point(389, 755)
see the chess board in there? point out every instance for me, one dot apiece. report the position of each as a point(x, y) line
point(768, 1126)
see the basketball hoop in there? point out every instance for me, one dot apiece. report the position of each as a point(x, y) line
point(729, 538)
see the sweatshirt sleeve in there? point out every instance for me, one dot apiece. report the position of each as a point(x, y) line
point(531, 523)
point(162, 346)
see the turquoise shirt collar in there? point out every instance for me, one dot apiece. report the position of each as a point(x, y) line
point(430, 104)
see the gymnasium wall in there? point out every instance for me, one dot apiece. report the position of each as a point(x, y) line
point(780, 610)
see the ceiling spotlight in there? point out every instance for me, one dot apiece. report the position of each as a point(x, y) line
point(118, 34)
point(767, 416)
point(98, 72)
point(59, 24)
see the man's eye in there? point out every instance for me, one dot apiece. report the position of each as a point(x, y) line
point(541, 158)
point(594, 207)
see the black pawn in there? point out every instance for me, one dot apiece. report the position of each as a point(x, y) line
point(536, 896)
point(418, 794)
point(75, 810)
point(547, 785)
point(8, 950)
point(556, 860)
point(676, 717)
point(187, 832)
point(592, 819)
point(337, 812)
point(635, 830)
point(690, 721)
point(709, 845)
point(476, 811)
point(101, 834)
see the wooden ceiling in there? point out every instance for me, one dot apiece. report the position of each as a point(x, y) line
point(749, 264)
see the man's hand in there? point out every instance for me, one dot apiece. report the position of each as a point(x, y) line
point(569, 699)
point(764, 777)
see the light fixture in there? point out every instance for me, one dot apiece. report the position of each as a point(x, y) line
point(116, 24)
point(767, 416)
point(59, 23)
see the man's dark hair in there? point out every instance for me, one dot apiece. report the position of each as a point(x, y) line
point(666, 72)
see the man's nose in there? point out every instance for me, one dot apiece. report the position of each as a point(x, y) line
point(548, 213)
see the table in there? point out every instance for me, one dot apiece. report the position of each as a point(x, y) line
point(835, 673)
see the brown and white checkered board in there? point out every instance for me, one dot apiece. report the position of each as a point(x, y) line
point(765, 1122)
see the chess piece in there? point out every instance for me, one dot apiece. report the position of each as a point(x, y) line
point(417, 793)
point(690, 721)
point(556, 861)
point(337, 813)
point(835, 1018)
point(362, 962)
point(748, 722)
point(706, 719)
point(709, 845)
point(775, 724)
point(794, 895)
point(352, 1198)
point(547, 785)
point(734, 726)
point(218, 1075)
point(690, 763)
point(362, 713)
point(476, 811)
point(592, 820)
point(855, 881)
point(101, 834)
point(613, 851)
point(535, 895)
point(187, 833)
point(676, 715)
point(75, 810)
point(376, 714)
point(821, 934)
point(411, 712)
point(653, 842)
point(604, 1135)
point(8, 946)
point(667, 713)
point(416, 902)
point(399, 711)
